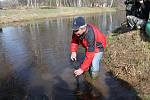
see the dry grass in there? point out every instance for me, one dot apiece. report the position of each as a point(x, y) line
point(16, 15)
point(128, 57)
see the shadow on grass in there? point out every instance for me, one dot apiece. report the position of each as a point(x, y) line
point(121, 30)
point(124, 29)
point(144, 36)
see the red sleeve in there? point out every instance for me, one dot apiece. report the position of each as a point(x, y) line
point(74, 44)
point(87, 61)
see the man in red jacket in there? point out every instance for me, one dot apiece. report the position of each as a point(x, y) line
point(94, 42)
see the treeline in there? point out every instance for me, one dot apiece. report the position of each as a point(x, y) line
point(58, 3)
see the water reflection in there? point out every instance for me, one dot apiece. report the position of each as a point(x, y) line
point(107, 22)
point(1, 30)
point(36, 56)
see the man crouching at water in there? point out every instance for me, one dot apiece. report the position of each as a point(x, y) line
point(94, 42)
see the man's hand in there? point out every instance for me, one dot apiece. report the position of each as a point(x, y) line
point(73, 56)
point(78, 72)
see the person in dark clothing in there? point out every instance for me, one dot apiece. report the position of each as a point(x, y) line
point(139, 14)
point(129, 5)
point(94, 42)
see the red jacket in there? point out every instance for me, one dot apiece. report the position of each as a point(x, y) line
point(93, 40)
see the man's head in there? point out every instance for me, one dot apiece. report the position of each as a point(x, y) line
point(79, 25)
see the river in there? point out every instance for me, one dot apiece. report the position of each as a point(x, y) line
point(35, 61)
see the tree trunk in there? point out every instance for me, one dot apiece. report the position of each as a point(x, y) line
point(50, 3)
point(57, 3)
point(31, 4)
point(28, 3)
point(80, 3)
point(35, 3)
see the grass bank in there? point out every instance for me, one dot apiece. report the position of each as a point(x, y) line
point(17, 15)
point(128, 58)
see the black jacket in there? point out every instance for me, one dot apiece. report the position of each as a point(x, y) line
point(141, 10)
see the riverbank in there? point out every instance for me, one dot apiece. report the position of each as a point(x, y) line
point(128, 58)
point(18, 15)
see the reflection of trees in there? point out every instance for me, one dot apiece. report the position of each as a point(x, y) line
point(2, 55)
point(35, 43)
point(1, 30)
point(103, 21)
point(110, 26)
point(5, 66)
point(109, 22)
point(48, 41)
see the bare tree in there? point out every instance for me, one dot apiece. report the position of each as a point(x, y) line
point(28, 3)
point(0, 5)
point(65, 3)
point(79, 3)
point(35, 3)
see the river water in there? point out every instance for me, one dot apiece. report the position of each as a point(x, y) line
point(35, 61)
